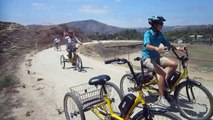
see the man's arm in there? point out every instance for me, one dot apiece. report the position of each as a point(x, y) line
point(78, 40)
point(150, 47)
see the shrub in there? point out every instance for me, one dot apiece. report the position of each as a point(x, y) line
point(7, 81)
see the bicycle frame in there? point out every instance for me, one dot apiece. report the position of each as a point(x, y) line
point(183, 75)
point(107, 102)
point(139, 99)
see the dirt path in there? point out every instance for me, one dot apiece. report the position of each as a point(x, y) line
point(46, 84)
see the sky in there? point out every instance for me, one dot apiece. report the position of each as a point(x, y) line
point(121, 13)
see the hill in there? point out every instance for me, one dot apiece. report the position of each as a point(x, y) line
point(93, 27)
point(17, 40)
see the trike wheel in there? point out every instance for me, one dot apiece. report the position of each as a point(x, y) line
point(78, 63)
point(194, 101)
point(156, 116)
point(73, 108)
point(127, 85)
point(62, 61)
point(114, 95)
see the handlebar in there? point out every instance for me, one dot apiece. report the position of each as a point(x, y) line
point(137, 59)
point(124, 61)
point(186, 50)
point(116, 60)
point(181, 58)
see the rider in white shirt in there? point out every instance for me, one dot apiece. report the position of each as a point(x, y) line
point(57, 41)
point(71, 42)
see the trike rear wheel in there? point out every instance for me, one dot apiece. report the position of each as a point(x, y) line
point(73, 108)
point(62, 61)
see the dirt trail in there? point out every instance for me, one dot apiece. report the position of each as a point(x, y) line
point(47, 83)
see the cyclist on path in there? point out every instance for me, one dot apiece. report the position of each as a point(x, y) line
point(151, 52)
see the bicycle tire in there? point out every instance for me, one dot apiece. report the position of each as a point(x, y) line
point(167, 115)
point(204, 90)
point(78, 62)
point(127, 85)
point(62, 61)
point(76, 113)
point(116, 99)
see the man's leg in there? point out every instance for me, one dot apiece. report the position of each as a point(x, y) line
point(152, 64)
point(161, 79)
point(171, 64)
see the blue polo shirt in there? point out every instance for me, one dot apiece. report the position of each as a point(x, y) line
point(151, 38)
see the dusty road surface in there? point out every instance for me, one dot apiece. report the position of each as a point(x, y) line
point(46, 84)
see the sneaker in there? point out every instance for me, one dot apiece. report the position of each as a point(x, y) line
point(162, 101)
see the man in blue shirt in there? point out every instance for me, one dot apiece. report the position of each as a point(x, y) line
point(151, 52)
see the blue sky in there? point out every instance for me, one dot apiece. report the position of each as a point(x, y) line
point(121, 13)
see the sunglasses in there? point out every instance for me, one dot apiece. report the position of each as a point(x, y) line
point(160, 23)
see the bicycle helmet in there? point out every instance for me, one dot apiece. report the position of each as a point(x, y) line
point(155, 20)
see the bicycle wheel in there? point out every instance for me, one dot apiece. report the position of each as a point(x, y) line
point(114, 95)
point(127, 85)
point(194, 101)
point(157, 116)
point(78, 62)
point(59, 47)
point(62, 61)
point(73, 108)
point(56, 47)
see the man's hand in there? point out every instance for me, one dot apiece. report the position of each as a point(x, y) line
point(180, 48)
point(81, 44)
point(159, 49)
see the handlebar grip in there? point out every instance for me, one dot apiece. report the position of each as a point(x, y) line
point(137, 59)
point(110, 61)
point(185, 48)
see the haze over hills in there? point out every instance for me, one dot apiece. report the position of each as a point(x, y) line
point(90, 26)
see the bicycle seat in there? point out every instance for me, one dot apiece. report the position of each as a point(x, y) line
point(99, 80)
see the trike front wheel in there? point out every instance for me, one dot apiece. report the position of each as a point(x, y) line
point(127, 85)
point(78, 62)
point(194, 101)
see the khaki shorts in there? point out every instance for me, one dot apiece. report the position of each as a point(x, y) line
point(151, 63)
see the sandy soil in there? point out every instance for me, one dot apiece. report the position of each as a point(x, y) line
point(45, 83)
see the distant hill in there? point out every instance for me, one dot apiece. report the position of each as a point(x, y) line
point(35, 27)
point(88, 27)
point(92, 27)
